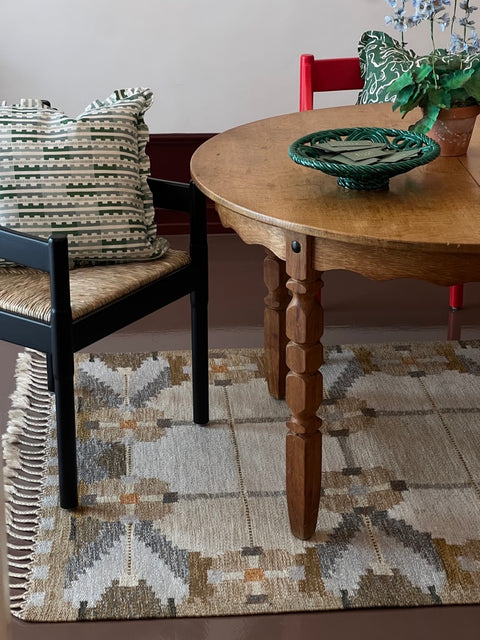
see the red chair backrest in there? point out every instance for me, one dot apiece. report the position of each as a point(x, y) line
point(331, 74)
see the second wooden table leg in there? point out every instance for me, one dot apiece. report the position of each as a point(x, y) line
point(304, 390)
point(275, 336)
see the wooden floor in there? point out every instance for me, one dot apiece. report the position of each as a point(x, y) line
point(356, 310)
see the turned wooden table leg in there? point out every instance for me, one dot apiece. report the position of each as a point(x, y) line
point(304, 325)
point(275, 336)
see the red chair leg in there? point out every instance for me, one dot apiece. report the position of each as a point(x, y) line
point(456, 297)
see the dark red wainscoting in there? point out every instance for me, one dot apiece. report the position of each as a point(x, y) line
point(170, 155)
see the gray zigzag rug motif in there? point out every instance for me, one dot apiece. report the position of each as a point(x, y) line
point(181, 520)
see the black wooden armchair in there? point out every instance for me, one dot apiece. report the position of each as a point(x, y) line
point(46, 307)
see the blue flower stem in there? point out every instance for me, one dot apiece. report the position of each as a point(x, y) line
point(454, 17)
point(466, 17)
point(432, 58)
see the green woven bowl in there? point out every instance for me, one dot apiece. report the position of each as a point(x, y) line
point(362, 177)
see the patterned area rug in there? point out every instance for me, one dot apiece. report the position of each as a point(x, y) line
point(181, 520)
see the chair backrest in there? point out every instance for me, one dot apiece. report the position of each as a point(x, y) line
point(330, 74)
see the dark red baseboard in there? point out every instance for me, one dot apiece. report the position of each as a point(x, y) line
point(170, 155)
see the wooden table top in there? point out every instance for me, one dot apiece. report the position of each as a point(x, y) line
point(247, 170)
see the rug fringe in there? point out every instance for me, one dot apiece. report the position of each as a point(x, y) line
point(24, 460)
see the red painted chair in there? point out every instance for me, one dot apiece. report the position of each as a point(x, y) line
point(333, 74)
point(339, 74)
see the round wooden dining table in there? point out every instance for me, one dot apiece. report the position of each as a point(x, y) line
point(426, 225)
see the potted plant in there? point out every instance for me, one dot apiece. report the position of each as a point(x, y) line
point(445, 84)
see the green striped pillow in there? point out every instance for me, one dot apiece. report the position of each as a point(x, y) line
point(83, 176)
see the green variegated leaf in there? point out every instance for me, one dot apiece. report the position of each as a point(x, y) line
point(429, 116)
point(457, 79)
point(403, 97)
point(472, 86)
point(423, 72)
point(439, 97)
point(460, 97)
point(415, 99)
point(404, 80)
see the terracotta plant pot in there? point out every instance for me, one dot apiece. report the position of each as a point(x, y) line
point(453, 129)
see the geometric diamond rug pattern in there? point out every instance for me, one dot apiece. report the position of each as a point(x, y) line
point(179, 520)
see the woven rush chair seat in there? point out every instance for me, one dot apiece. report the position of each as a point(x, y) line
point(26, 291)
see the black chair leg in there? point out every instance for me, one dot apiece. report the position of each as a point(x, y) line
point(50, 376)
point(63, 368)
point(199, 307)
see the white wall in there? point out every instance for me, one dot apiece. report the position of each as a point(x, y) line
point(212, 64)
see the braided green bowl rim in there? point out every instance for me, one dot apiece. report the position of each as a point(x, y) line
point(373, 176)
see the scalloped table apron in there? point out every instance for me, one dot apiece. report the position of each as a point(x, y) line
point(424, 226)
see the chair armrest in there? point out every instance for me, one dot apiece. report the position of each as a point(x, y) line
point(182, 196)
point(26, 249)
point(168, 194)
